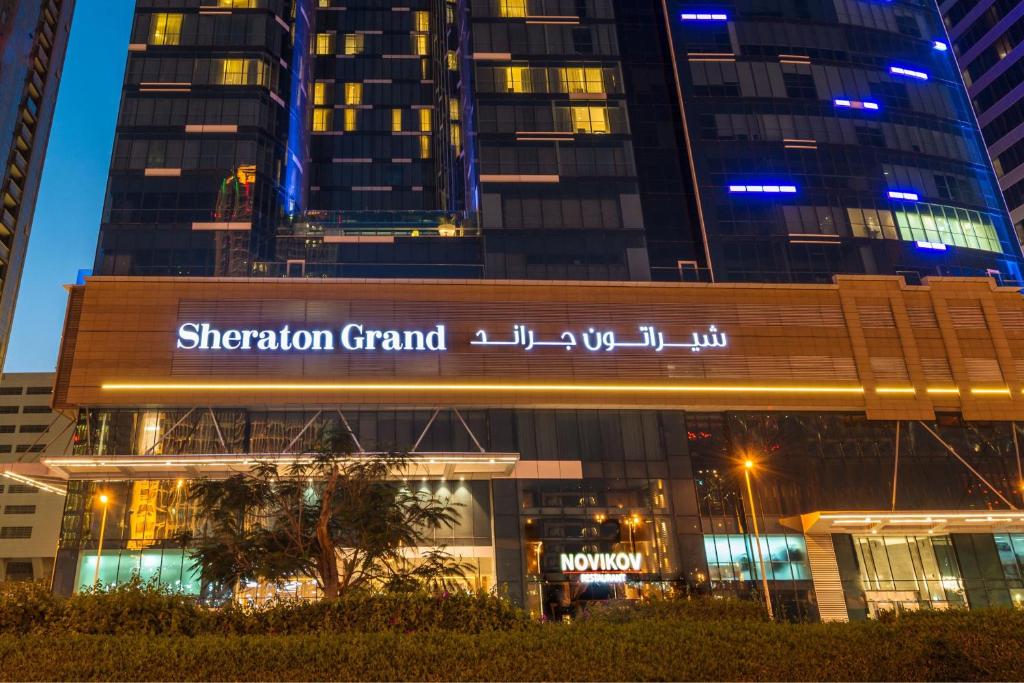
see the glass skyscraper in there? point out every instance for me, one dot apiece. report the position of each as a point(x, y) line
point(549, 139)
point(986, 38)
point(33, 41)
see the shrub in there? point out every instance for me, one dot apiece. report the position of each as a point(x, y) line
point(139, 608)
point(981, 645)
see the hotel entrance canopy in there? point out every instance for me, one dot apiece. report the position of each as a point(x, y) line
point(925, 522)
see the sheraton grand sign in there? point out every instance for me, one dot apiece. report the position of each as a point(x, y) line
point(195, 336)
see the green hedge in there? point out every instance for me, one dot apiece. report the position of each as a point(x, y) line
point(982, 645)
point(134, 608)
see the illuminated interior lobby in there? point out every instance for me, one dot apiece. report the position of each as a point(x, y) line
point(594, 434)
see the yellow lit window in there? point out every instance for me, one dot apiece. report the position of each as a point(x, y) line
point(589, 120)
point(453, 110)
point(165, 29)
point(420, 45)
point(516, 78)
point(238, 4)
point(512, 8)
point(354, 43)
point(325, 43)
point(353, 93)
point(426, 123)
point(396, 120)
point(425, 69)
point(423, 21)
point(324, 3)
point(320, 93)
point(588, 80)
point(453, 61)
point(322, 120)
point(457, 137)
point(233, 72)
point(350, 120)
point(424, 146)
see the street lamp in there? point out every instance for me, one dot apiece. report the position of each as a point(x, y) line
point(748, 465)
point(104, 499)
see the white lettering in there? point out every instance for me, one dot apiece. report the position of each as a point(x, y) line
point(210, 338)
point(436, 340)
point(323, 340)
point(348, 339)
point(302, 340)
point(188, 336)
point(232, 339)
point(600, 562)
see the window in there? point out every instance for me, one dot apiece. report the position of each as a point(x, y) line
point(512, 8)
point(396, 120)
point(350, 120)
point(325, 43)
point(19, 571)
point(19, 509)
point(15, 532)
point(582, 80)
point(6, 429)
point(37, 448)
point(30, 410)
point(353, 93)
point(420, 45)
point(239, 72)
point(10, 410)
point(238, 4)
point(11, 391)
point(21, 488)
point(732, 557)
point(32, 429)
point(516, 79)
point(426, 123)
point(453, 110)
point(39, 391)
point(424, 146)
point(453, 61)
point(319, 93)
point(354, 43)
point(165, 29)
point(322, 119)
point(591, 120)
point(422, 21)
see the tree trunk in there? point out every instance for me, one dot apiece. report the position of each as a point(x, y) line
point(328, 553)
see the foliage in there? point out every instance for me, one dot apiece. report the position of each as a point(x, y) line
point(136, 608)
point(979, 645)
point(332, 517)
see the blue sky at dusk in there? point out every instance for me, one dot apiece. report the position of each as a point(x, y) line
point(74, 180)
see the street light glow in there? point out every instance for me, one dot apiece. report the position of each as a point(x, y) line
point(104, 499)
point(749, 464)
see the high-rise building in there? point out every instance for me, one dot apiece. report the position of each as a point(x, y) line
point(835, 137)
point(30, 512)
point(33, 40)
point(986, 38)
point(446, 212)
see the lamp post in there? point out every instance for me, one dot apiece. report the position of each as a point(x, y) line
point(748, 465)
point(104, 499)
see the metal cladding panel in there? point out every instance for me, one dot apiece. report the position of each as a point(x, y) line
point(853, 346)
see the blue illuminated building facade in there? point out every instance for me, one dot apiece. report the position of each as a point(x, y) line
point(833, 137)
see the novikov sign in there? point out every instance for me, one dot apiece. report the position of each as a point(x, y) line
point(196, 336)
point(600, 567)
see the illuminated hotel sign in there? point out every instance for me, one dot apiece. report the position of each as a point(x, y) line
point(356, 337)
point(600, 567)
